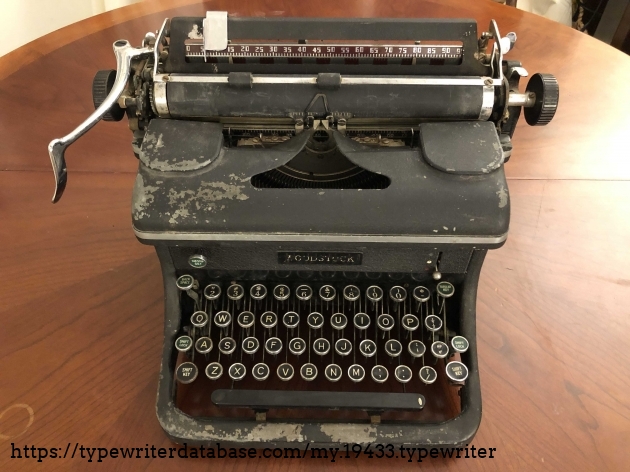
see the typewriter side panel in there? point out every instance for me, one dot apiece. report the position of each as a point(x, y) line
point(181, 427)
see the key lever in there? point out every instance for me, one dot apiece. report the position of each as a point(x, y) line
point(124, 54)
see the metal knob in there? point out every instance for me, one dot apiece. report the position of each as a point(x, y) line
point(547, 91)
point(101, 86)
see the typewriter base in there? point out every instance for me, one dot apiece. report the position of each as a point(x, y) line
point(181, 427)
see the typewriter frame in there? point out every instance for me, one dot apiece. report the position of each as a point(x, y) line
point(490, 98)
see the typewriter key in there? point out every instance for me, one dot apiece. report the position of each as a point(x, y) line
point(445, 289)
point(297, 346)
point(260, 371)
point(245, 319)
point(250, 345)
point(421, 294)
point(199, 319)
point(367, 347)
point(186, 372)
point(338, 321)
point(379, 373)
point(185, 282)
point(385, 322)
point(460, 344)
point(315, 320)
point(285, 371)
point(351, 293)
point(393, 348)
point(308, 371)
point(268, 319)
point(183, 343)
point(398, 294)
point(321, 346)
point(327, 293)
point(427, 374)
point(304, 293)
point(402, 374)
point(433, 323)
point(212, 292)
point(416, 348)
point(214, 371)
point(291, 319)
point(222, 319)
point(237, 371)
point(227, 346)
point(197, 261)
point(343, 347)
point(203, 345)
point(361, 321)
point(439, 349)
point(356, 372)
point(456, 371)
point(235, 292)
point(273, 346)
point(281, 292)
point(258, 292)
point(332, 372)
point(374, 293)
point(410, 322)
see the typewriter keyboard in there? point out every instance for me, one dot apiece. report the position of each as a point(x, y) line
point(361, 344)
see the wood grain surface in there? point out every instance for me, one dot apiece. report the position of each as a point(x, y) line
point(81, 300)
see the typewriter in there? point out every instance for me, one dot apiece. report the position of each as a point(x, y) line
point(321, 194)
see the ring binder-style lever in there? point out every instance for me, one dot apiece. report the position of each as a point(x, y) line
point(56, 149)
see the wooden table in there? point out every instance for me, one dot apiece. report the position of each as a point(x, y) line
point(81, 299)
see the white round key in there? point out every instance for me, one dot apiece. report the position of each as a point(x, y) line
point(214, 370)
point(260, 371)
point(237, 371)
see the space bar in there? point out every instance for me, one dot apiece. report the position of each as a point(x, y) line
point(266, 399)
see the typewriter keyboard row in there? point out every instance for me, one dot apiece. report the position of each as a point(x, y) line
point(379, 334)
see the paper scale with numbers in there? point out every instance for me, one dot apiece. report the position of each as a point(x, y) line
point(321, 194)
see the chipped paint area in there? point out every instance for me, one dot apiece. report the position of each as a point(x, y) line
point(275, 432)
point(241, 178)
point(349, 433)
point(142, 198)
point(183, 426)
point(151, 156)
point(503, 196)
point(399, 434)
point(205, 199)
point(497, 161)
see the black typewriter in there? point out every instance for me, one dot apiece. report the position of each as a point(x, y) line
point(321, 194)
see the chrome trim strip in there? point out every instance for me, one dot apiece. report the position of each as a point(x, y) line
point(487, 102)
point(159, 99)
point(325, 238)
point(308, 79)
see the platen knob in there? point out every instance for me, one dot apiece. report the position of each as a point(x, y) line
point(101, 86)
point(547, 91)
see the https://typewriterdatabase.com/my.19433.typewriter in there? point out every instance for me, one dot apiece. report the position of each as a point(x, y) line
point(321, 194)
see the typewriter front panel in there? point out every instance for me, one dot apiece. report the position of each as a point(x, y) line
point(324, 343)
